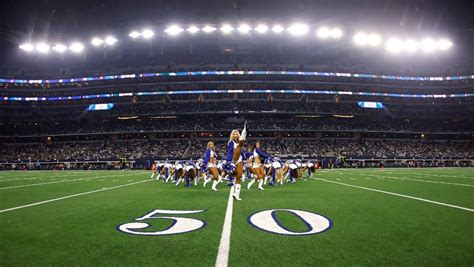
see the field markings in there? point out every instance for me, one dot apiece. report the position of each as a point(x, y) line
point(61, 181)
point(399, 195)
point(222, 259)
point(427, 181)
point(411, 179)
point(38, 177)
point(71, 196)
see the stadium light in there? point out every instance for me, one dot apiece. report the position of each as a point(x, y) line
point(336, 33)
point(60, 48)
point(244, 28)
point(134, 34)
point(174, 30)
point(110, 40)
point(278, 28)
point(428, 45)
point(208, 29)
point(298, 29)
point(96, 41)
point(374, 39)
point(444, 44)
point(76, 47)
point(323, 33)
point(361, 38)
point(192, 29)
point(261, 28)
point(27, 47)
point(410, 46)
point(394, 45)
point(226, 29)
point(42, 48)
point(147, 33)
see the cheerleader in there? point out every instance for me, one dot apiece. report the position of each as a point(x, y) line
point(209, 166)
point(154, 171)
point(234, 165)
point(259, 158)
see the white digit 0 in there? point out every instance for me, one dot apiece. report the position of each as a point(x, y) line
point(267, 221)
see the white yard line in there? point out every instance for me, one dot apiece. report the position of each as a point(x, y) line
point(398, 195)
point(71, 196)
point(61, 181)
point(224, 246)
point(417, 180)
point(40, 177)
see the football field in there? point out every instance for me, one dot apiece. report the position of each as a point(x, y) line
point(336, 217)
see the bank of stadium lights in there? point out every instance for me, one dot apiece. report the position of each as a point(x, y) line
point(327, 33)
point(444, 44)
point(226, 29)
point(134, 35)
point(60, 48)
point(244, 28)
point(97, 41)
point(43, 48)
point(108, 41)
point(298, 29)
point(367, 39)
point(27, 47)
point(261, 28)
point(147, 34)
point(427, 45)
point(192, 29)
point(208, 29)
point(76, 47)
point(174, 30)
point(277, 29)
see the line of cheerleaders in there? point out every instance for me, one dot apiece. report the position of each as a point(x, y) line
point(239, 164)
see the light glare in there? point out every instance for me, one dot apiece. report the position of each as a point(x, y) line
point(360, 38)
point(374, 39)
point(262, 28)
point(298, 29)
point(147, 33)
point(428, 45)
point(110, 40)
point(336, 33)
point(60, 48)
point(97, 41)
point(410, 46)
point(193, 29)
point(244, 28)
point(208, 29)
point(134, 34)
point(76, 47)
point(277, 29)
point(394, 45)
point(42, 48)
point(226, 29)
point(323, 33)
point(27, 47)
point(174, 30)
point(444, 44)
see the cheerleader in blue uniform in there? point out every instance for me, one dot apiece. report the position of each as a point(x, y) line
point(235, 155)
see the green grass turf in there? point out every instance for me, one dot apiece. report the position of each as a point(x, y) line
point(369, 228)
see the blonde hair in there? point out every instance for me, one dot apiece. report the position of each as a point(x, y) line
point(231, 133)
point(209, 143)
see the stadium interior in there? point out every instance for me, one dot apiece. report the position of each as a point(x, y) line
point(374, 100)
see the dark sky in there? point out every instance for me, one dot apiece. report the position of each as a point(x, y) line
point(52, 17)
